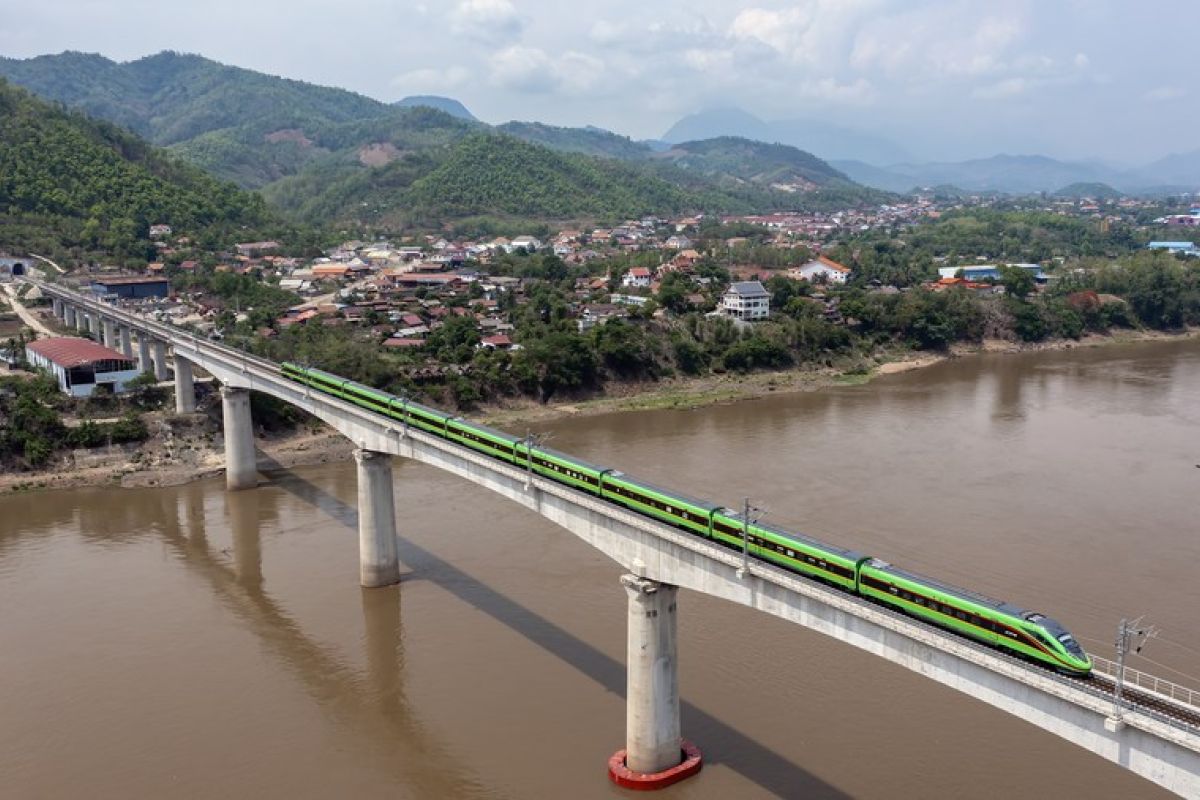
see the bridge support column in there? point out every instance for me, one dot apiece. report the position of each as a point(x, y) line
point(654, 755)
point(93, 324)
point(145, 363)
point(127, 341)
point(185, 388)
point(69, 318)
point(57, 305)
point(160, 360)
point(110, 333)
point(240, 466)
point(379, 563)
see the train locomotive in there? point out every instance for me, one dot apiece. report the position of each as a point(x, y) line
point(1027, 634)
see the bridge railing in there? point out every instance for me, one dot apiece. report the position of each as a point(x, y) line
point(1147, 682)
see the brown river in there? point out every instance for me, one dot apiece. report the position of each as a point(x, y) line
point(189, 643)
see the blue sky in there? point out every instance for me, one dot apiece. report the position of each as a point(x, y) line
point(945, 78)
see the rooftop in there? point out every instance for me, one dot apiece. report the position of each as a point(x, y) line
point(749, 289)
point(68, 351)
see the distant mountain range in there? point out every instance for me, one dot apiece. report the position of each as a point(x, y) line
point(883, 164)
point(447, 104)
point(814, 135)
point(1029, 175)
point(330, 154)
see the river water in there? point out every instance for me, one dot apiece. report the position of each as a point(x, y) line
point(185, 642)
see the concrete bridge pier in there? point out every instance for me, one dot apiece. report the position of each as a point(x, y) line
point(241, 471)
point(93, 324)
point(57, 305)
point(160, 360)
point(69, 318)
point(379, 562)
point(655, 755)
point(145, 363)
point(185, 388)
point(127, 341)
point(110, 332)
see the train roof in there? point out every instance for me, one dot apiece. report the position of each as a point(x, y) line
point(708, 505)
point(550, 451)
point(852, 555)
point(499, 434)
point(949, 588)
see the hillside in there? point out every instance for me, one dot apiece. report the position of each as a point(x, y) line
point(588, 141)
point(1095, 191)
point(496, 175)
point(238, 124)
point(67, 180)
point(733, 160)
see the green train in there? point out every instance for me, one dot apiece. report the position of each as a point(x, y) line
point(1019, 631)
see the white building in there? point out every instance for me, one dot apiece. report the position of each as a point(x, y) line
point(821, 269)
point(530, 243)
point(80, 365)
point(746, 300)
point(638, 277)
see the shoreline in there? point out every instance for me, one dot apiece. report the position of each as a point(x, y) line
point(690, 393)
point(132, 469)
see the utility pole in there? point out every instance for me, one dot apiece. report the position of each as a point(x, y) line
point(747, 511)
point(1129, 634)
point(530, 440)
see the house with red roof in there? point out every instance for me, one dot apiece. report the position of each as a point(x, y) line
point(81, 365)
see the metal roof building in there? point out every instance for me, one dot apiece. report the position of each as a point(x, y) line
point(80, 365)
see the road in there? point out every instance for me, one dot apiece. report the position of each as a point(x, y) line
point(25, 314)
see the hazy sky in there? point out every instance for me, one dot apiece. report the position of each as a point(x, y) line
point(944, 78)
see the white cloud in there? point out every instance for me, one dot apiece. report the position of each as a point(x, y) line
point(432, 79)
point(1165, 93)
point(531, 70)
point(487, 20)
point(1009, 87)
point(811, 31)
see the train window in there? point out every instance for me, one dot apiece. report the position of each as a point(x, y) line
point(791, 553)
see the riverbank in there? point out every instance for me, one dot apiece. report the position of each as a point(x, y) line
point(188, 448)
point(733, 387)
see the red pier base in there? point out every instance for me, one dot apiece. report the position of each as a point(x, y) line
point(622, 775)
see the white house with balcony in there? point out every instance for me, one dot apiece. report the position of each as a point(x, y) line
point(638, 277)
point(747, 301)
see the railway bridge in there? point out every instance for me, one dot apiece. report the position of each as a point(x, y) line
point(1153, 730)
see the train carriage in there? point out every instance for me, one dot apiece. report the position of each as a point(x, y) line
point(645, 498)
point(789, 550)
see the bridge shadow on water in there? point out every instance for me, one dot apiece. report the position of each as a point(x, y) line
point(749, 758)
point(375, 709)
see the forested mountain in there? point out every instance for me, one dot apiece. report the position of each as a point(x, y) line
point(238, 124)
point(496, 175)
point(588, 141)
point(731, 159)
point(66, 178)
point(322, 153)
